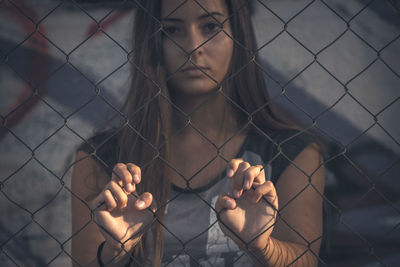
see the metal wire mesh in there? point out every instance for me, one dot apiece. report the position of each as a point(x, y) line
point(358, 182)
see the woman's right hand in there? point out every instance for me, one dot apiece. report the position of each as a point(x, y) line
point(120, 213)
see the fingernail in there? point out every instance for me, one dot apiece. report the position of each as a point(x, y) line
point(140, 203)
point(136, 178)
point(229, 173)
point(129, 187)
point(230, 203)
point(236, 193)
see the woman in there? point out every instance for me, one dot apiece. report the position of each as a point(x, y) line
point(201, 145)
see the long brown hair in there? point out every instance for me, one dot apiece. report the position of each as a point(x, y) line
point(143, 140)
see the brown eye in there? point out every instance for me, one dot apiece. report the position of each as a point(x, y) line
point(171, 30)
point(211, 27)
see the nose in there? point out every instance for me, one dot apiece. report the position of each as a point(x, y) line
point(194, 43)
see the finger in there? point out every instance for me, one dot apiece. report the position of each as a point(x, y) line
point(122, 176)
point(232, 167)
point(250, 175)
point(268, 192)
point(260, 178)
point(109, 199)
point(135, 171)
point(118, 193)
point(238, 178)
point(225, 202)
point(144, 201)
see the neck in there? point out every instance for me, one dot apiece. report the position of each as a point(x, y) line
point(210, 114)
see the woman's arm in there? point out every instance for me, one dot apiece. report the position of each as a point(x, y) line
point(86, 234)
point(291, 236)
point(297, 234)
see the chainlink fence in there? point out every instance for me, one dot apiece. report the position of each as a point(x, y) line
point(332, 65)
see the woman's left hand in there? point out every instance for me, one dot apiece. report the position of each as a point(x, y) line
point(248, 213)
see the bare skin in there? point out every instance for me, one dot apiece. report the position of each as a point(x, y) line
point(237, 214)
point(244, 213)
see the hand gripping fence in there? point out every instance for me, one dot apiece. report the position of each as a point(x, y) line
point(360, 199)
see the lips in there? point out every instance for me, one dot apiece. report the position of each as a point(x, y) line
point(198, 68)
point(194, 72)
point(195, 69)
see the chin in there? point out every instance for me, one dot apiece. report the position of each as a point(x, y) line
point(193, 89)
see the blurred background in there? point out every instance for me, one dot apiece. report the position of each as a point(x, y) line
point(333, 65)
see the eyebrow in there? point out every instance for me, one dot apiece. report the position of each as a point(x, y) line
point(204, 16)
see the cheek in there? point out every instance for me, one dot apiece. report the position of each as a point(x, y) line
point(221, 49)
point(172, 56)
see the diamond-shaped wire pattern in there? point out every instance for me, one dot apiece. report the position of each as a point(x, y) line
point(331, 66)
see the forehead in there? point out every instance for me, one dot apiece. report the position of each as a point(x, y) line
point(191, 8)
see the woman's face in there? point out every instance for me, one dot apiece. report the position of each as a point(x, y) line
point(195, 32)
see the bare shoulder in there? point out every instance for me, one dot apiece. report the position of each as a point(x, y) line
point(304, 170)
point(300, 190)
point(309, 160)
point(87, 176)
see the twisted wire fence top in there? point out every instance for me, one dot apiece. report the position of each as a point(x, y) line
point(331, 65)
